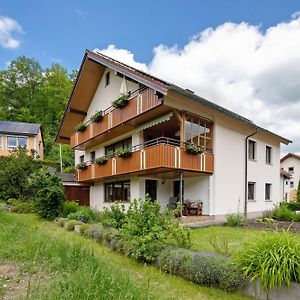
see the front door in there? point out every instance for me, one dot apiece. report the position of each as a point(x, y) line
point(151, 188)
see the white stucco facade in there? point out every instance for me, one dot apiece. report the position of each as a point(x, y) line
point(223, 192)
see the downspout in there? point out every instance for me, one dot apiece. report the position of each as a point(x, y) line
point(246, 171)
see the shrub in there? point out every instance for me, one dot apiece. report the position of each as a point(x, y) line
point(49, 194)
point(84, 214)
point(95, 231)
point(298, 193)
point(296, 217)
point(235, 220)
point(114, 216)
point(71, 224)
point(109, 234)
point(23, 208)
point(269, 213)
point(83, 228)
point(150, 231)
point(282, 213)
point(274, 259)
point(204, 268)
point(61, 221)
point(97, 117)
point(293, 205)
point(121, 101)
point(69, 207)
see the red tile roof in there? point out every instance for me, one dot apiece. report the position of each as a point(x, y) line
point(290, 155)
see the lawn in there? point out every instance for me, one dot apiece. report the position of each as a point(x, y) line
point(234, 237)
point(56, 264)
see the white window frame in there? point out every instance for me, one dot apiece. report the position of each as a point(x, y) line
point(254, 191)
point(271, 155)
point(270, 185)
point(255, 150)
point(17, 143)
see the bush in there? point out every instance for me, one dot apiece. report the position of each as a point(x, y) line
point(96, 232)
point(235, 220)
point(296, 217)
point(49, 194)
point(22, 208)
point(69, 207)
point(61, 221)
point(114, 216)
point(84, 214)
point(201, 267)
point(83, 228)
point(293, 205)
point(71, 224)
point(109, 234)
point(150, 231)
point(274, 260)
point(282, 213)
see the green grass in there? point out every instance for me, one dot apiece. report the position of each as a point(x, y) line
point(236, 237)
point(79, 268)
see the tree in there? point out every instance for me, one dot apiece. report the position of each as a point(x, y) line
point(298, 192)
point(15, 171)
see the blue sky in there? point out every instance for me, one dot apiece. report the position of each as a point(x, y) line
point(241, 54)
point(61, 30)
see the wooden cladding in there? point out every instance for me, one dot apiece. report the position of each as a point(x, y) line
point(155, 157)
point(137, 105)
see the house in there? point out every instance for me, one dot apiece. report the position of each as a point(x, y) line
point(182, 146)
point(291, 164)
point(285, 178)
point(20, 134)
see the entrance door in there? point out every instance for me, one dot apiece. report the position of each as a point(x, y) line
point(176, 189)
point(151, 188)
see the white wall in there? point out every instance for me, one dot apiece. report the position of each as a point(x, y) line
point(229, 186)
point(104, 95)
point(284, 188)
point(292, 162)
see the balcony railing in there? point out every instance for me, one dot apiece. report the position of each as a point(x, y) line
point(162, 153)
point(140, 102)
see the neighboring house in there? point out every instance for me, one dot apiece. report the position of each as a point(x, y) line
point(291, 164)
point(237, 170)
point(285, 178)
point(20, 134)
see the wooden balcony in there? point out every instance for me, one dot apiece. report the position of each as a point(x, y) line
point(118, 120)
point(155, 159)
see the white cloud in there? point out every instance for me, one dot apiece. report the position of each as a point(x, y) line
point(82, 14)
point(8, 27)
point(252, 72)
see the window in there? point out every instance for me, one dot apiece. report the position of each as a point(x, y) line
point(81, 158)
point(268, 154)
point(251, 150)
point(93, 156)
point(0, 141)
point(12, 142)
point(268, 187)
point(22, 142)
point(117, 191)
point(198, 131)
point(107, 78)
point(124, 144)
point(291, 170)
point(291, 184)
point(286, 182)
point(251, 191)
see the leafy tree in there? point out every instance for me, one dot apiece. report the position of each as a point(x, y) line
point(14, 173)
point(298, 192)
point(48, 193)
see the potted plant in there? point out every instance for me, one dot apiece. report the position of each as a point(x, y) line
point(82, 166)
point(97, 117)
point(121, 101)
point(194, 149)
point(101, 160)
point(80, 127)
point(126, 152)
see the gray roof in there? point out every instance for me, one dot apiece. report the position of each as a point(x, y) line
point(67, 177)
point(19, 128)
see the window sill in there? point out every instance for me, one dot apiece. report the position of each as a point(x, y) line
point(253, 160)
point(251, 200)
point(269, 164)
point(268, 200)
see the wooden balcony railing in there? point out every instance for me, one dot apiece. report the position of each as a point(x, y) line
point(139, 103)
point(159, 156)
